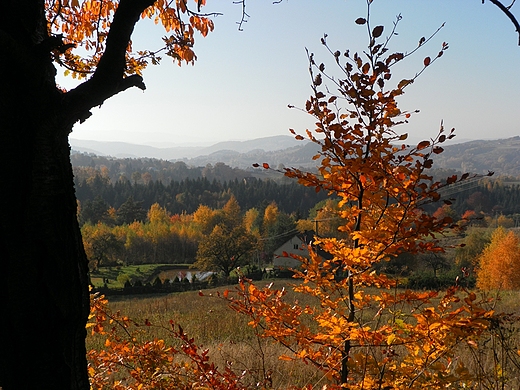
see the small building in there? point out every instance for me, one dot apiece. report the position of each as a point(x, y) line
point(296, 245)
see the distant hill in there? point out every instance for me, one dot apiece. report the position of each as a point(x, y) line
point(128, 150)
point(296, 156)
point(500, 156)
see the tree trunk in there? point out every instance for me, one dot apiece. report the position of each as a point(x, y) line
point(43, 277)
point(44, 271)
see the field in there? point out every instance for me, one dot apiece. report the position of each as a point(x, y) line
point(228, 337)
point(216, 327)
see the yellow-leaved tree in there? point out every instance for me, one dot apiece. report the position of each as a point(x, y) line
point(498, 267)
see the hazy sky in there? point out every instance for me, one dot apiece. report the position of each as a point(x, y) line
point(242, 82)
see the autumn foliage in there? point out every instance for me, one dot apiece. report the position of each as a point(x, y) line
point(363, 332)
point(85, 26)
point(498, 267)
point(130, 361)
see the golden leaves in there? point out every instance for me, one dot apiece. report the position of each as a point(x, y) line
point(381, 188)
point(499, 264)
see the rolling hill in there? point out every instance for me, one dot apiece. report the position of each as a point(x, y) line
point(501, 156)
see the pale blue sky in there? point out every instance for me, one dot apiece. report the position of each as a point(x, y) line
point(242, 82)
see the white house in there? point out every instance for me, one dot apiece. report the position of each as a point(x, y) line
point(297, 245)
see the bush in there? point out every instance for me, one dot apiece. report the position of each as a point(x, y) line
point(254, 273)
point(427, 281)
point(123, 279)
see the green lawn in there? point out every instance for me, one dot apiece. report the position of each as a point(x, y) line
point(118, 275)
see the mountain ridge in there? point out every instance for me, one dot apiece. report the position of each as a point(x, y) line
point(501, 156)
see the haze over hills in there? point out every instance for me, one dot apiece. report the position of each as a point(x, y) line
point(128, 150)
point(501, 156)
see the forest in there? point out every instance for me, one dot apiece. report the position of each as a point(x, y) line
point(181, 189)
point(147, 222)
point(188, 193)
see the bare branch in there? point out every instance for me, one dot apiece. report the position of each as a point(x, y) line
point(245, 16)
point(507, 10)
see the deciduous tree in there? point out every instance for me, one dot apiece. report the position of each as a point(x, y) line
point(40, 238)
point(474, 243)
point(498, 266)
point(101, 245)
point(224, 250)
point(363, 339)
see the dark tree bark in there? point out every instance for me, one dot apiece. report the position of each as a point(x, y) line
point(43, 275)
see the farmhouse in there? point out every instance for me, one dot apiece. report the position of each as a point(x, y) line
point(296, 245)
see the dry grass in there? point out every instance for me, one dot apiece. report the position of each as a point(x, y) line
point(228, 338)
point(217, 328)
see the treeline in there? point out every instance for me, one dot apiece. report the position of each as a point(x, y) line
point(132, 235)
point(180, 187)
point(490, 197)
point(97, 193)
point(143, 170)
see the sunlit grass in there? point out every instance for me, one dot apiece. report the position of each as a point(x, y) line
point(228, 337)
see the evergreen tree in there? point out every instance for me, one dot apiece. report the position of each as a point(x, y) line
point(131, 211)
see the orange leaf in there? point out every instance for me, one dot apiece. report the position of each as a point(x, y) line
point(285, 358)
point(423, 144)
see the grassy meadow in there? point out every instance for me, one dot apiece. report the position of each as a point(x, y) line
point(227, 336)
point(215, 327)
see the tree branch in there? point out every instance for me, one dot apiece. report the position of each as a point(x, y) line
point(509, 14)
point(108, 79)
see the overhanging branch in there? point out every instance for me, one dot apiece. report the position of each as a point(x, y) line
point(108, 79)
point(509, 14)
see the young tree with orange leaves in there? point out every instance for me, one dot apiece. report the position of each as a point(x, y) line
point(380, 338)
point(498, 267)
point(44, 268)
